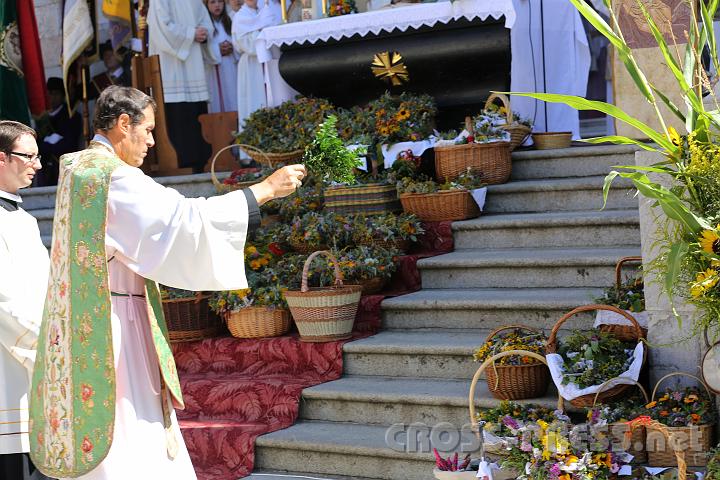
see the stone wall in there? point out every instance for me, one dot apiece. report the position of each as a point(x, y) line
point(668, 353)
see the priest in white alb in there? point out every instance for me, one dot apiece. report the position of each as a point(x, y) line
point(105, 384)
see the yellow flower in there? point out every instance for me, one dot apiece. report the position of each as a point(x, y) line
point(664, 398)
point(674, 136)
point(691, 399)
point(651, 405)
point(402, 114)
point(571, 460)
point(710, 241)
point(704, 281)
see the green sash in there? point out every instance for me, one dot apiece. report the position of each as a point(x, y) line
point(72, 401)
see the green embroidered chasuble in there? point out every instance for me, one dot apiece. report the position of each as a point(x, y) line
point(72, 402)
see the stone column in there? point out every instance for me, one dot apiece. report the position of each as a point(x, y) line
point(666, 355)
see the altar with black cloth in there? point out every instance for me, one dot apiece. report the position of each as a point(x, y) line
point(456, 51)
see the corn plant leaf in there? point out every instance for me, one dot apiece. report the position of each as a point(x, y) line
point(580, 103)
point(621, 48)
point(708, 13)
point(675, 257)
point(620, 140)
point(606, 185)
point(652, 168)
point(670, 104)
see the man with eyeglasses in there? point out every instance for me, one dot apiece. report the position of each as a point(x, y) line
point(23, 281)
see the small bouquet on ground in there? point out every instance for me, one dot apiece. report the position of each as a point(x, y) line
point(682, 408)
point(593, 357)
point(515, 339)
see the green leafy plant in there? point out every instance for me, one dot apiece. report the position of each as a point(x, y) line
point(366, 230)
point(170, 293)
point(630, 296)
point(690, 255)
point(328, 158)
point(466, 181)
point(712, 472)
point(593, 357)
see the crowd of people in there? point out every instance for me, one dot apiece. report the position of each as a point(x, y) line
point(208, 64)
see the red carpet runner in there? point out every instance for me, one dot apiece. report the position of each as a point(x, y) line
point(236, 390)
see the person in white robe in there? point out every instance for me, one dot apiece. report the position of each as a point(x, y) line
point(24, 266)
point(221, 77)
point(246, 26)
point(179, 31)
point(565, 57)
point(154, 232)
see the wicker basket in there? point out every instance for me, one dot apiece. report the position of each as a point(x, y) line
point(517, 382)
point(190, 319)
point(610, 394)
point(440, 206)
point(400, 245)
point(260, 157)
point(306, 249)
point(625, 333)
point(491, 161)
point(368, 199)
point(663, 454)
point(372, 286)
point(632, 440)
point(518, 132)
point(550, 140)
point(258, 322)
point(487, 364)
point(327, 313)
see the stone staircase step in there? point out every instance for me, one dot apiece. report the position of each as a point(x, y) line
point(392, 400)
point(487, 308)
point(559, 194)
point(524, 267)
point(423, 354)
point(334, 448)
point(549, 229)
point(570, 162)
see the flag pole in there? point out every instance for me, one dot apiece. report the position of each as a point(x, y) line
point(86, 114)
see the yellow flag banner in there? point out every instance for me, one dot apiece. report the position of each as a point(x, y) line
point(118, 10)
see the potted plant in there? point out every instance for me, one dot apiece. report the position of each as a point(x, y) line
point(515, 377)
point(187, 315)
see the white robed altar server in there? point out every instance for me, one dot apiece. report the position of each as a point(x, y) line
point(221, 77)
point(246, 26)
point(23, 280)
point(153, 232)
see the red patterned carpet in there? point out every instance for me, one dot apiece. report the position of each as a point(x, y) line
point(236, 390)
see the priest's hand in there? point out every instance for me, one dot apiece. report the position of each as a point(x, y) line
point(281, 183)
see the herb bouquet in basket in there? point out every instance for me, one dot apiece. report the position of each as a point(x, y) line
point(594, 366)
point(628, 296)
point(367, 266)
point(434, 202)
point(515, 377)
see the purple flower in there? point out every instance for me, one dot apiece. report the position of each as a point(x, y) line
point(677, 396)
point(510, 422)
point(525, 446)
point(595, 416)
point(555, 471)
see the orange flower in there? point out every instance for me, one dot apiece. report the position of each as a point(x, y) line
point(691, 399)
point(651, 405)
point(664, 413)
point(695, 417)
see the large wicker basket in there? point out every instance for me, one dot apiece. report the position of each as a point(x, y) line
point(440, 206)
point(372, 198)
point(606, 396)
point(491, 161)
point(631, 440)
point(327, 313)
point(190, 319)
point(374, 285)
point(517, 382)
point(623, 332)
point(663, 453)
point(671, 438)
point(518, 132)
point(258, 322)
point(260, 157)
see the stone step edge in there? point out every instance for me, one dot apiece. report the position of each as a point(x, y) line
point(523, 258)
point(575, 151)
point(493, 221)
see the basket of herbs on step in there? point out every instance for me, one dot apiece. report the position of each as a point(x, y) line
point(253, 313)
point(188, 315)
point(433, 202)
point(628, 296)
point(585, 360)
point(324, 314)
point(518, 128)
point(243, 177)
point(515, 377)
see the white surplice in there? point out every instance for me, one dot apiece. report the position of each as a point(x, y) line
point(222, 77)
point(24, 267)
point(191, 243)
point(171, 28)
point(566, 60)
point(246, 26)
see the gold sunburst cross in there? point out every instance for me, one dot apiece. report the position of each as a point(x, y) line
point(389, 66)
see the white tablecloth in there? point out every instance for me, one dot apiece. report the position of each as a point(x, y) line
point(566, 53)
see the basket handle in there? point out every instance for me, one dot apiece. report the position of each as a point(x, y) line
point(306, 268)
point(506, 103)
point(607, 382)
point(647, 422)
point(674, 374)
point(552, 339)
point(618, 269)
point(485, 365)
point(242, 146)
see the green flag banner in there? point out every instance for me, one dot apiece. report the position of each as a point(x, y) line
point(13, 96)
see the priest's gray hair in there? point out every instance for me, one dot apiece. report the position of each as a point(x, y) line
point(10, 131)
point(116, 100)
